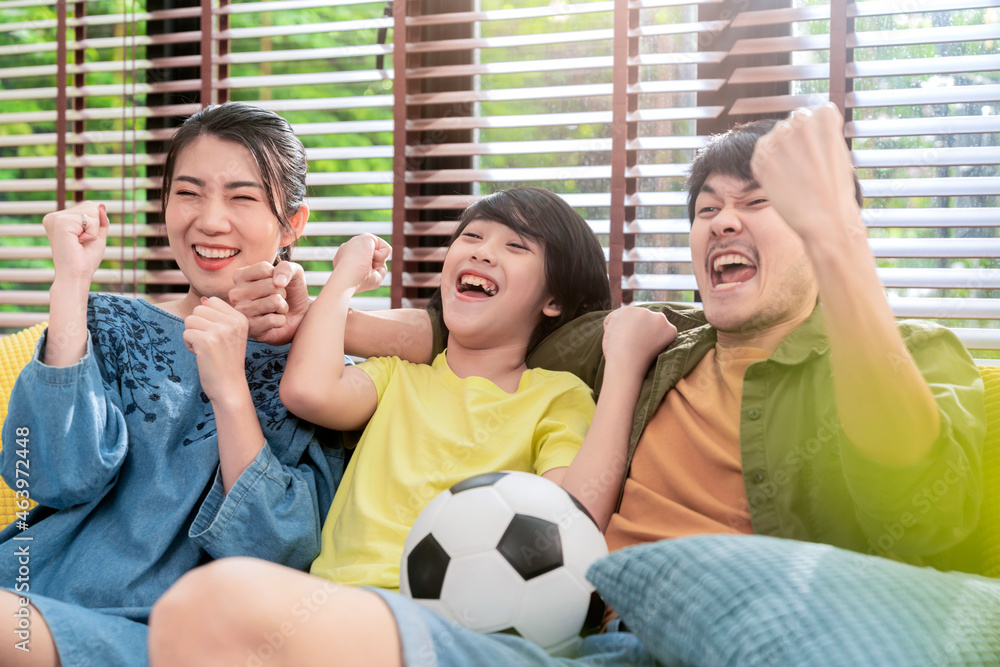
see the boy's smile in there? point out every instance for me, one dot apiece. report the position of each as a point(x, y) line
point(493, 288)
point(474, 286)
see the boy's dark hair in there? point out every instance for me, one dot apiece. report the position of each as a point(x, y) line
point(279, 154)
point(576, 272)
point(729, 154)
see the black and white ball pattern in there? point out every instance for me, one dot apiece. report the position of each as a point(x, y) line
point(507, 552)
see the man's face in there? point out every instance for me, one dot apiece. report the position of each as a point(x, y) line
point(751, 267)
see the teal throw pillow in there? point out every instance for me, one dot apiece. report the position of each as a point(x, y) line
point(753, 600)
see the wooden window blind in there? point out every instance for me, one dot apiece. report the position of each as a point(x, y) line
point(73, 127)
point(91, 95)
point(603, 101)
point(918, 83)
point(327, 68)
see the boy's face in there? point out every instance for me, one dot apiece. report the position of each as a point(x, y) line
point(751, 267)
point(493, 289)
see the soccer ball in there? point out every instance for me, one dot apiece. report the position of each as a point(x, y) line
point(507, 552)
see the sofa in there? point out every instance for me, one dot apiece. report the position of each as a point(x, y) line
point(754, 600)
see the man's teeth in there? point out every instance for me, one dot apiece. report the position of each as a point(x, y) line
point(723, 260)
point(215, 253)
point(487, 286)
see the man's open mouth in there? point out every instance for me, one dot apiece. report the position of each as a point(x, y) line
point(729, 269)
point(470, 282)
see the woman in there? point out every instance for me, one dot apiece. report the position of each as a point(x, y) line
point(154, 436)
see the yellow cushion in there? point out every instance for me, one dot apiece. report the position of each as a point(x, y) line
point(15, 353)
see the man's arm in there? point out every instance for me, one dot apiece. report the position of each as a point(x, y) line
point(885, 406)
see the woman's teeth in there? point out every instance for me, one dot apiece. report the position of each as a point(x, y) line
point(215, 253)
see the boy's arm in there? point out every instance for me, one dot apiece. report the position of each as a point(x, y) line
point(316, 385)
point(633, 338)
point(275, 300)
point(401, 332)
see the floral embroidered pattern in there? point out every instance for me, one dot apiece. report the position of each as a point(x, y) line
point(112, 322)
point(264, 370)
point(141, 358)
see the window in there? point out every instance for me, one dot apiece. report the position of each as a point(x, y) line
point(604, 102)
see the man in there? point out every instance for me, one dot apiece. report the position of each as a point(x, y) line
point(769, 414)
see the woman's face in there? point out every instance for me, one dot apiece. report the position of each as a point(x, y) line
point(218, 217)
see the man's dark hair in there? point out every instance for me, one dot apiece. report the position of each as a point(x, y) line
point(576, 273)
point(729, 154)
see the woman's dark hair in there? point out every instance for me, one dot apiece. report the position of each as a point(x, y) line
point(279, 154)
point(729, 154)
point(576, 273)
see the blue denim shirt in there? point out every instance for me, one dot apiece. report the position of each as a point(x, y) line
point(123, 459)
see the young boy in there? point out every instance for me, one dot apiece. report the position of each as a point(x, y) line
point(521, 263)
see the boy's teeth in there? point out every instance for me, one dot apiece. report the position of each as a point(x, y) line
point(488, 286)
point(215, 253)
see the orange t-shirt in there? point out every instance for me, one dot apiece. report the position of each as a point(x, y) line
point(686, 475)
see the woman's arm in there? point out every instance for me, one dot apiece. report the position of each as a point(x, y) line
point(316, 385)
point(64, 427)
point(275, 300)
point(217, 335)
point(77, 237)
point(274, 510)
point(65, 435)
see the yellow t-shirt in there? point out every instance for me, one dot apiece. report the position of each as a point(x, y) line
point(432, 429)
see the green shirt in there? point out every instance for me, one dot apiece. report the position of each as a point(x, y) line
point(804, 479)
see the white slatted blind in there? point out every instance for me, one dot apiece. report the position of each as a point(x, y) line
point(101, 52)
point(921, 88)
point(602, 101)
point(312, 62)
point(595, 100)
point(321, 66)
